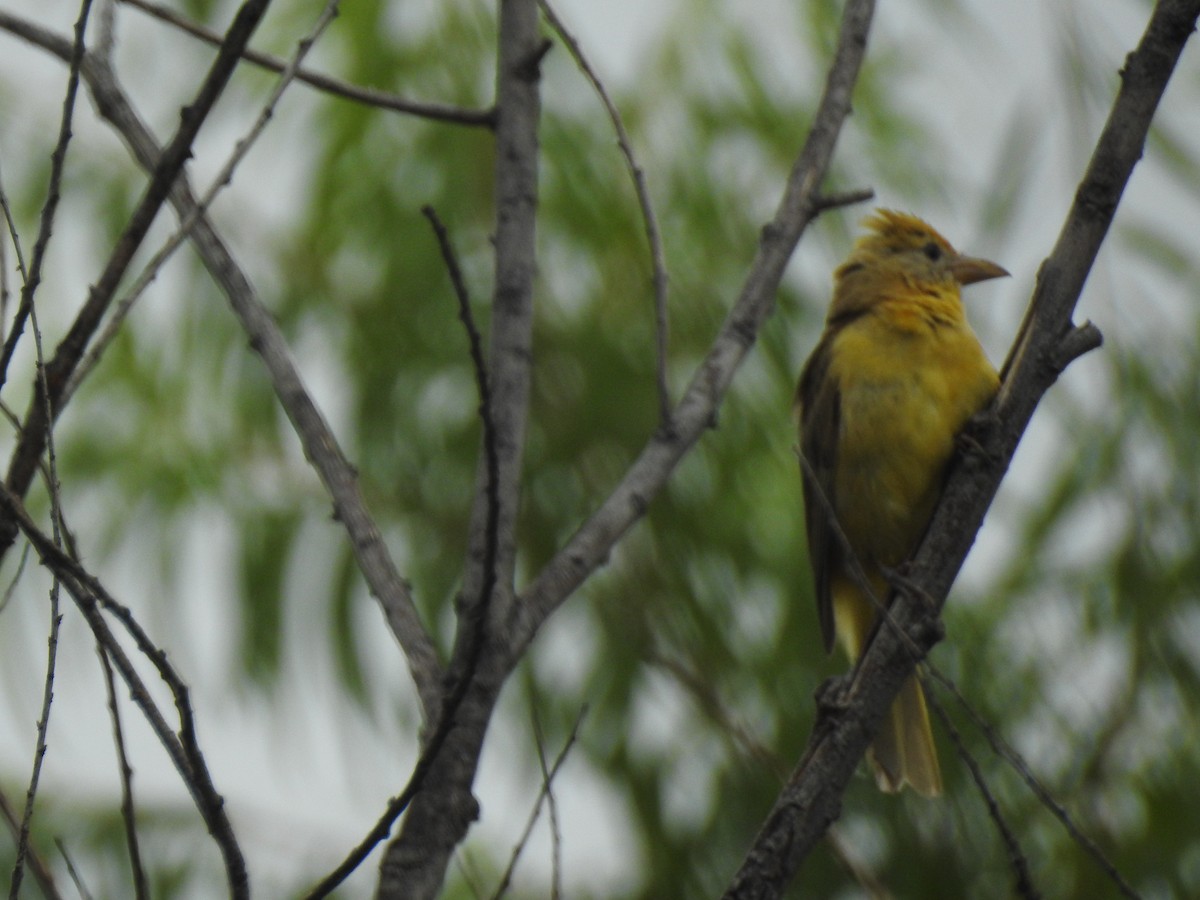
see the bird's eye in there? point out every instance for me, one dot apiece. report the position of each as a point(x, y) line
point(933, 251)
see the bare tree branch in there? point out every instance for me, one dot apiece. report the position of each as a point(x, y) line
point(32, 276)
point(182, 748)
point(811, 799)
point(128, 810)
point(474, 617)
point(1018, 764)
point(320, 445)
point(518, 107)
point(76, 878)
point(28, 310)
point(1023, 880)
point(593, 542)
point(438, 112)
point(545, 795)
point(414, 864)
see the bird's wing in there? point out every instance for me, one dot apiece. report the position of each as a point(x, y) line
point(818, 412)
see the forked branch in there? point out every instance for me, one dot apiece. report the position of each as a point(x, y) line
point(693, 415)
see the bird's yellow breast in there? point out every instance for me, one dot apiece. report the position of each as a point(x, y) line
point(907, 384)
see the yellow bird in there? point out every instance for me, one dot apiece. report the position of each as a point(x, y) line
point(895, 376)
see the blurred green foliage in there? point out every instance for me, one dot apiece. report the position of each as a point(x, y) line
point(695, 648)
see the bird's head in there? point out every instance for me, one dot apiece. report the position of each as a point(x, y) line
point(901, 244)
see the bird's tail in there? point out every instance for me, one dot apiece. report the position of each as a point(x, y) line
point(903, 751)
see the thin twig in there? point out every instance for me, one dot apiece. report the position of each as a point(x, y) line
point(4, 292)
point(1018, 764)
point(653, 238)
point(1016, 857)
point(751, 748)
point(9, 221)
point(37, 866)
point(15, 237)
point(543, 794)
point(826, 202)
point(474, 611)
point(39, 752)
point(32, 277)
point(76, 878)
point(189, 221)
point(729, 727)
point(470, 878)
point(183, 749)
point(55, 625)
point(44, 721)
point(12, 585)
point(128, 810)
point(28, 310)
point(539, 739)
point(439, 112)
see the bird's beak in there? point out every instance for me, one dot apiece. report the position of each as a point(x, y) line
point(970, 269)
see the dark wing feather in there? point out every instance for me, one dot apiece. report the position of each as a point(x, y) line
point(818, 407)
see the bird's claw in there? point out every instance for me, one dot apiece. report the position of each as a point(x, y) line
point(972, 441)
point(831, 696)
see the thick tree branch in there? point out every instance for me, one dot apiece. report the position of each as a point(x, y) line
point(414, 864)
point(811, 799)
point(694, 414)
point(518, 107)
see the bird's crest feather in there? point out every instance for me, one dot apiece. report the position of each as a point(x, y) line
point(892, 230)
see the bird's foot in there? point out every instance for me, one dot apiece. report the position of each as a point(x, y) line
point(931, 628)
point(831, 697)
point(972, 442)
